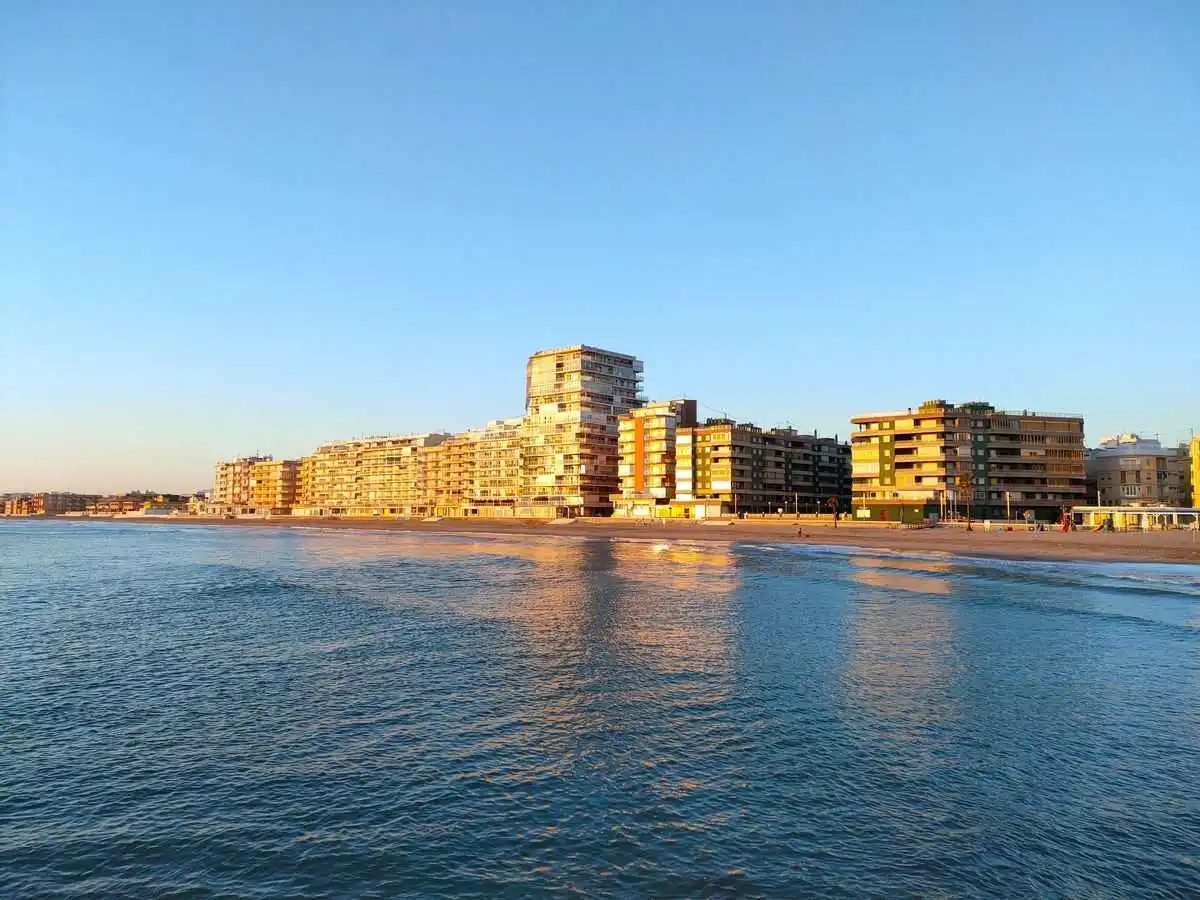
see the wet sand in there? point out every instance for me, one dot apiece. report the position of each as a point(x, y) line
point(1162, 547)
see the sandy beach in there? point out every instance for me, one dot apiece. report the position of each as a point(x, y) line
point(1156, 547)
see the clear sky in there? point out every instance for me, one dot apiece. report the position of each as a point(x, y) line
point(229, 227)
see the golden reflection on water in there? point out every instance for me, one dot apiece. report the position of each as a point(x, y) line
point(901, 660)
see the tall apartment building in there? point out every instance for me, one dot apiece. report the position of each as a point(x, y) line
point(231, 483)
point(273, 485)
point(908, 465)
point(573, 399)
point(1134, 471)
point(646, 456)
point(377, 476)
point(724, 468)
point(495, 483)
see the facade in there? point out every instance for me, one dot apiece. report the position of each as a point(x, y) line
point(646, 456)
point(569, 454)
point(231, 483)
point(305, 486)
point(912, 465)
point(274, 485)
point(495, 483)
point(377, 476)
point(726, 468)
point(449, 475)
point(1195, 479)
point(1134, 471)
point(47, 503)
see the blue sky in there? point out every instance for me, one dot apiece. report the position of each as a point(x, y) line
point(230, 227)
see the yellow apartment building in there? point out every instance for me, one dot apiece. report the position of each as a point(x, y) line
point(376, 476)
point(231, 483)
point(943, 458)
point(569, 452)
point(274, 485)
point(1195, 479)
point(495, 483)
point(646, 457)
point(305, 482)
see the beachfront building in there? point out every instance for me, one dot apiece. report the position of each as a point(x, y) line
point(1195, 479)
point(305, 483)
point(45, 503)
point(729, 468)
point(646, 457)
point(495, 476)
point(371, 477)
point(231, 492)
point(573, 399)
point(449, 474)
point(933, 461)
point(273, 486)
point(1136, 471)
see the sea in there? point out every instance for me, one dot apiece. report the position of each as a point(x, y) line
point(213, 711)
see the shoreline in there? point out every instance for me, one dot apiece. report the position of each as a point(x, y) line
point(1178, 547)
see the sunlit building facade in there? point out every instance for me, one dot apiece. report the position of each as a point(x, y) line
point(969, 458)
point(569, 450)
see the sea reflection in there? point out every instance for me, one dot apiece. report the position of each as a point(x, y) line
point(901, 668)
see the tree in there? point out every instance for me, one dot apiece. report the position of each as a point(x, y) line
point(966, 489)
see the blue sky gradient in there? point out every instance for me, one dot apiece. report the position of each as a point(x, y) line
point(231, 227)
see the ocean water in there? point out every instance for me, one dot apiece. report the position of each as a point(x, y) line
point(191, 711)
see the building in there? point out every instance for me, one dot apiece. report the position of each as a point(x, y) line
point(449, 475)
point(305, 482)
point(231, 484)
point(495, 484)
point(1135, 471)
point(45, 503)
point(139, 503)
point(970, 458)
point(646, 456)
point(1195, 479)
point(274, 485)
point(727, 468)
point(370, 477)
point(573, 399)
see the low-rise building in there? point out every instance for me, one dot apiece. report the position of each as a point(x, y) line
point(966, 459)
point(46, 503)
point(1135, 471)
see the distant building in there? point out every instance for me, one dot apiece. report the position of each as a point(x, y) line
point(573, 398)
point(646, 456)
point(495, 478)
point(273, 485)
point(1135, 471)
point(938, 459)
point(45, 503)
point(727, 468)
point(232, 492)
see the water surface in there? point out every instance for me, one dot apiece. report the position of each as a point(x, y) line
point(213, 711)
